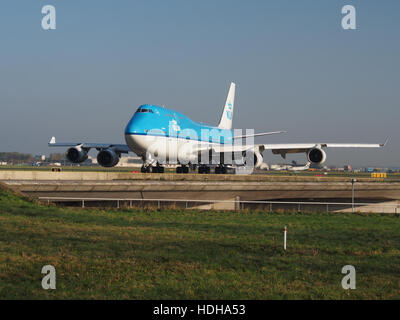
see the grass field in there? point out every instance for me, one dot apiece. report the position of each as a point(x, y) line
point(130, 254)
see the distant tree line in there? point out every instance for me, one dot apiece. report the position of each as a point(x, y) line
point(57, 157)
point(16, 157)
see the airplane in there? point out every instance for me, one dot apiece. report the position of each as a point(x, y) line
point(161, 136)
point(290, 167)
point(300, 168)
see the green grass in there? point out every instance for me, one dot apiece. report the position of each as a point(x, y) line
point(133, 254)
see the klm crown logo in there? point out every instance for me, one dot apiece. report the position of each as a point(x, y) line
point(229, 111)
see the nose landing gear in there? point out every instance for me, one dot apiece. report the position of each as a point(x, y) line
point(156, 169)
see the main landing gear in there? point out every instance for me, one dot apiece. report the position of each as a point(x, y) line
point(204, 169)
point(220, 170)
point(182, 169)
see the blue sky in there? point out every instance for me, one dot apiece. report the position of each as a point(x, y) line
point(295, 68)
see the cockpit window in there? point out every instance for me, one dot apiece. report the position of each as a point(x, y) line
point(145, 110)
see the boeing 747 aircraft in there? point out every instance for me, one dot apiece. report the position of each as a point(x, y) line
point(161, 136)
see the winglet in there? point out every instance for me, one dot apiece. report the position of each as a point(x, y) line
point(53, 140)
point(384, 144)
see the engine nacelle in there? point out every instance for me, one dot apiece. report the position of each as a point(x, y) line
point(107, 158)
point(254, 156)
point(76, 155)
point(316, 156)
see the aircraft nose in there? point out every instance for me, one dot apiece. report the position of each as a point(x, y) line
point(135, 126)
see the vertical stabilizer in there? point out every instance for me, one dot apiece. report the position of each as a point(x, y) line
point(227, 113)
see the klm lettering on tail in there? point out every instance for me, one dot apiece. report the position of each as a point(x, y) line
point(229, 111)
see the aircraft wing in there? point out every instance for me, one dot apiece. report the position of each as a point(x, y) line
point(285, 148)
point(121, 148)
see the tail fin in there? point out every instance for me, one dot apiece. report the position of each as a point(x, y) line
point(227, 113)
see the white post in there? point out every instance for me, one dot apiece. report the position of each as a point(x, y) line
point(353, 181)
point(284, 238)
point(352, 195)
point(237, 203)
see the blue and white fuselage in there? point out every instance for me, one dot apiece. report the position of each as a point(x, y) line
point(168, 134)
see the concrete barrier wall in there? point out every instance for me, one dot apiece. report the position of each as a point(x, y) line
point(44, 175)
point(261, 190)
point(7, 175)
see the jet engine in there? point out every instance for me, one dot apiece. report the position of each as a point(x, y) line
point(107, 158)
point(76, 154)
point(316, 156)
point(254, 156)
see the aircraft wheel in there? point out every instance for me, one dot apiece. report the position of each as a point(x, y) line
point(185, 169)
point(223, 170)
point(217, 170)
point(144, 169)
point(201, 170)
point(157, 169)
point(179, 169)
